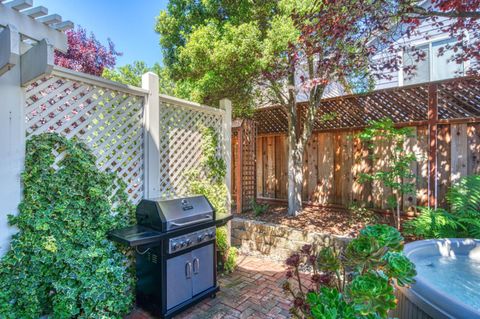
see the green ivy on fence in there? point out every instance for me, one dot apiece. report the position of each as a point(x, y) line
point(214, 188)
point(61, 263)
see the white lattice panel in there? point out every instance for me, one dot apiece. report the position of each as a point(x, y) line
point(181, 143)
point(109, 121)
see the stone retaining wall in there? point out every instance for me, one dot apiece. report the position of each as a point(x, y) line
point(277, 241)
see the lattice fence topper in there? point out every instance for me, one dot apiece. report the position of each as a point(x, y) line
point(109, 121)
point(181, 142)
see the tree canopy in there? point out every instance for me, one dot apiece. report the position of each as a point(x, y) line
point(132, 74)
point(273, 52)
point(86, 54)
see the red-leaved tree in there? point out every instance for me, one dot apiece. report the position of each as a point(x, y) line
point(86, 54)
point(333, 40)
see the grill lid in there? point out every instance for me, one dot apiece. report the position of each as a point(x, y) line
point(169, 214)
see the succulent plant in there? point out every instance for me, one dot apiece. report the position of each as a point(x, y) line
point(356, 282)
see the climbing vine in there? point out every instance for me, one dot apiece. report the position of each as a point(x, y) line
point(61, 263)
point(210, 181)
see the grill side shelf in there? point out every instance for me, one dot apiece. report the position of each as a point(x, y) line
point(135, 235)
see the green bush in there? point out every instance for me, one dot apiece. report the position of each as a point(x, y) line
point(356, 282)
point(462, 221)
point(259, 209)
point(60, 262)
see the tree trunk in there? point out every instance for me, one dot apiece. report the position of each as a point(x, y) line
point(295, 178)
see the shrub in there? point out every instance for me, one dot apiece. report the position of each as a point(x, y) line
point(462, 221)
point(356, 282)
point(259, 209)
point(392, 165)
point(60, 262)
point(228, 255)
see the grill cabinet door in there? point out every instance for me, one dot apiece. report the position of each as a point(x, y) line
point(203, 268)
point(179, 280)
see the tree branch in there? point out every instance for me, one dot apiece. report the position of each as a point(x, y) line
point(447, 14)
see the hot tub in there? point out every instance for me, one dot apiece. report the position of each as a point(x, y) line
point(447, 282)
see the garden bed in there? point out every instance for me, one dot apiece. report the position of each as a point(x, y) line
point(331, 220)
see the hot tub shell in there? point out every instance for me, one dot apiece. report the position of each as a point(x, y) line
point(423, 300)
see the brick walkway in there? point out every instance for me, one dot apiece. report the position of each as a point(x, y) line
point(253, 291)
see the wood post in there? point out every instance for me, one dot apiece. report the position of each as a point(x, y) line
point(432, 149)
point(239, 168)
point(151, 122)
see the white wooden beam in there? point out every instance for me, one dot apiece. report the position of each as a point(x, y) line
point(31, 28)
point(35, 12)
point(50, 19)
point(36, 62)
point(9, 48)
point(62, 26)
point(19, 4)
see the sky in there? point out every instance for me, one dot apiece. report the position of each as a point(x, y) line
point(128, 23)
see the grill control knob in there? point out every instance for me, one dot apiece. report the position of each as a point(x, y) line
point(200, 238)
point(188, 242)
point(210, 234)
point(183, 244)
point(174, 246)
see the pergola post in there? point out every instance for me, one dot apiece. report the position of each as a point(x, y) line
point(432, 140)
point(239, 173)
point(226, 104)
point(151, 120)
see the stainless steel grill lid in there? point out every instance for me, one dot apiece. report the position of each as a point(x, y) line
point(170, 214)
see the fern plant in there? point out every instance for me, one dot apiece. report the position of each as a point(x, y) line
point(463, 220)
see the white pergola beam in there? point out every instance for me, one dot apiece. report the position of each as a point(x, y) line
point(38, 61)
point(9, 49)
point(62, 26)
point(19, 4)
point(32, 29)
point(50, 19)
point(36, 12)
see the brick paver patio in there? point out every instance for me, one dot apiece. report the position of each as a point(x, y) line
point(253, 291)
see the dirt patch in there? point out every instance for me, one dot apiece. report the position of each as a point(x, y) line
point(319, 219)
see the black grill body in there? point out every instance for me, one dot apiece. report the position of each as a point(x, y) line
point(174, 242)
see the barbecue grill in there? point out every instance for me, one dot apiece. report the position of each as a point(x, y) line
point(174, 240)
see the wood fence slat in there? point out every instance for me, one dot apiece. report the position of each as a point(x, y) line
point(325, 160)
point(259, 163)
point(459, 152)
point(346, 169)
point(473, 149)
point(270, 166)
point(312, 167)
point(444, 168)
point(411, 146)
point(337, 177)
point(281, 172)
point(422, 166)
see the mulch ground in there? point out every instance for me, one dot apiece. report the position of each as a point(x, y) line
point(317, 219)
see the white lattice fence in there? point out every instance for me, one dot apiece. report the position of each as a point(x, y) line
point(181, 141)
point(108, 119)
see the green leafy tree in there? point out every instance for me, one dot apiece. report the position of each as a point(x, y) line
point(392, 163)
point(61, 263)
point(272, 52)
point(356, 282)
point(131, 74)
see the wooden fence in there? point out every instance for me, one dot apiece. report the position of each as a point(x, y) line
point(445, 121)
